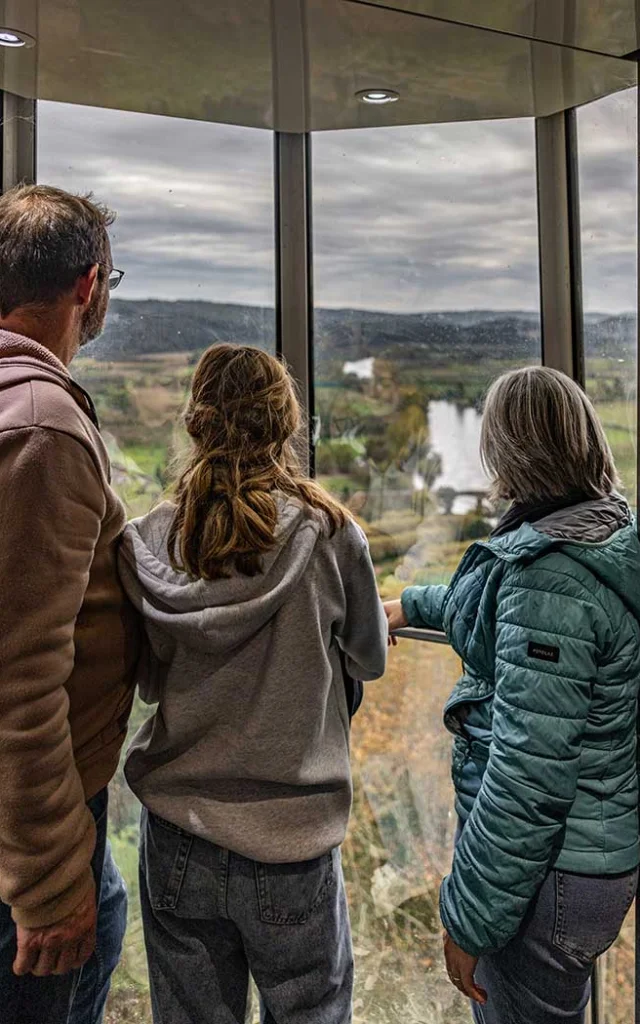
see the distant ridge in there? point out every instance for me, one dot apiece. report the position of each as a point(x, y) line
point(147, 327)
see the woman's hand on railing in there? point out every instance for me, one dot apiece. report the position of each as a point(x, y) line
point(395, 618)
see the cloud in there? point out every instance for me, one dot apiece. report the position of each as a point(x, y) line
point(194, 200)
point(405, 219)
point(609, 194)
point(440, 217)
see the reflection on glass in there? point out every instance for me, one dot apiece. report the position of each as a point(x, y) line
point(195, 236)
point(443, 71)
point(608, 26)
point(426, 282)
point(608, 199)
point(608, 158)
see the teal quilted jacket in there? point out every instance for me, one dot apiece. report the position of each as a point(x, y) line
point(546, 621)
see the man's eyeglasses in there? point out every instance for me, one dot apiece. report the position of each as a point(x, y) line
point(115, 276)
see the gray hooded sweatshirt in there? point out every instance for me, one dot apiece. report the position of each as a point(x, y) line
point(249, 745)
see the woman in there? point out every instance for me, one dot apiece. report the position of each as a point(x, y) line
point(545, 617)
point(259, 595)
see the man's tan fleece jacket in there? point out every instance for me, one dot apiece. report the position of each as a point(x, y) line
point(68, 638)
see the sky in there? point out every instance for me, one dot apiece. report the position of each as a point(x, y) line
point(440, 217)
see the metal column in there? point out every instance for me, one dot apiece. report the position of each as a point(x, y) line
point(294, 313)
point(560, 250)
point(18, 140)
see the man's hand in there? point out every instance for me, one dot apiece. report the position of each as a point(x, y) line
point(395, 617)
point(461, 968)
point(61, 947)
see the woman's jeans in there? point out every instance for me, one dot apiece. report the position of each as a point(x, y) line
point(212, 918)
point(78, 997)
point(544, 974)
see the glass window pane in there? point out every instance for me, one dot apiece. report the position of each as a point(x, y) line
point(608, 160)
point(617, 969)
point(426, 287)
point(194, 234)
point(195, 238)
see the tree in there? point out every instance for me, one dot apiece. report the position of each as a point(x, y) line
point(447, 496)
point(400, 440)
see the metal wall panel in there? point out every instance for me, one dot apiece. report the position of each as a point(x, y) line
point(559, 241)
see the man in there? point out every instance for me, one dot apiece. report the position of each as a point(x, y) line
point(67, 636)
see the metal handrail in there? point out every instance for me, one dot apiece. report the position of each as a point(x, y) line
point(596, 1006)
point(430, 636)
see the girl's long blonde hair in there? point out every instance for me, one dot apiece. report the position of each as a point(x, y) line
point(243, 417)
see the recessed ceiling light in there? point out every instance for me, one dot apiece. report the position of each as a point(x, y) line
point(378, 96)
point(14, 39)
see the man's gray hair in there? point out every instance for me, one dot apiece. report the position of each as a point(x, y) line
point(541, 438)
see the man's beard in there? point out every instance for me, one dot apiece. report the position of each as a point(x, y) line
point(93, 320)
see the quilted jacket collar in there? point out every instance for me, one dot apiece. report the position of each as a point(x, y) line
point(589, 522)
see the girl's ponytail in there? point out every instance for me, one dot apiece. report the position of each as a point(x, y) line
point(242, 418)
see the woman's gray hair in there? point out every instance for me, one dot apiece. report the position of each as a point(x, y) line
point(541, 438)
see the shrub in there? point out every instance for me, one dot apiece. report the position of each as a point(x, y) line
point(473, 527)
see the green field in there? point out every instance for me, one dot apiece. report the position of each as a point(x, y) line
point(619, 421)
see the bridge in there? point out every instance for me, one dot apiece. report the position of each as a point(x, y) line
point(448, 495)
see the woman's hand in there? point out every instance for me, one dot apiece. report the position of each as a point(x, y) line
point(395, 617)
point(461, 968)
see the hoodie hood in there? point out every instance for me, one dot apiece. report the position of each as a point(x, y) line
point(600, 534)
point(603, 536)
point(14, 346)
point(22, 360)
point(219, 615)
point(590, 522)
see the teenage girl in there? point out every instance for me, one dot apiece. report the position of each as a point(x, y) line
point(258, 594)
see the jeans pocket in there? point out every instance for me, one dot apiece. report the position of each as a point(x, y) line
point(289, 894)
point(590, 912)
point(165, 856)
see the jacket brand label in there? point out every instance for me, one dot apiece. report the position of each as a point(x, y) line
point(544, 653)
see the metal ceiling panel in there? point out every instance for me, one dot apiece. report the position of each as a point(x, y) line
point(296, 65)
point(442, 71)
point(208, 61)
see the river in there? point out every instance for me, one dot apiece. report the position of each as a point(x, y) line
point(455, 436)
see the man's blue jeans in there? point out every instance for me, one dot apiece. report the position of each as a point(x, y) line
point(76, 998)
